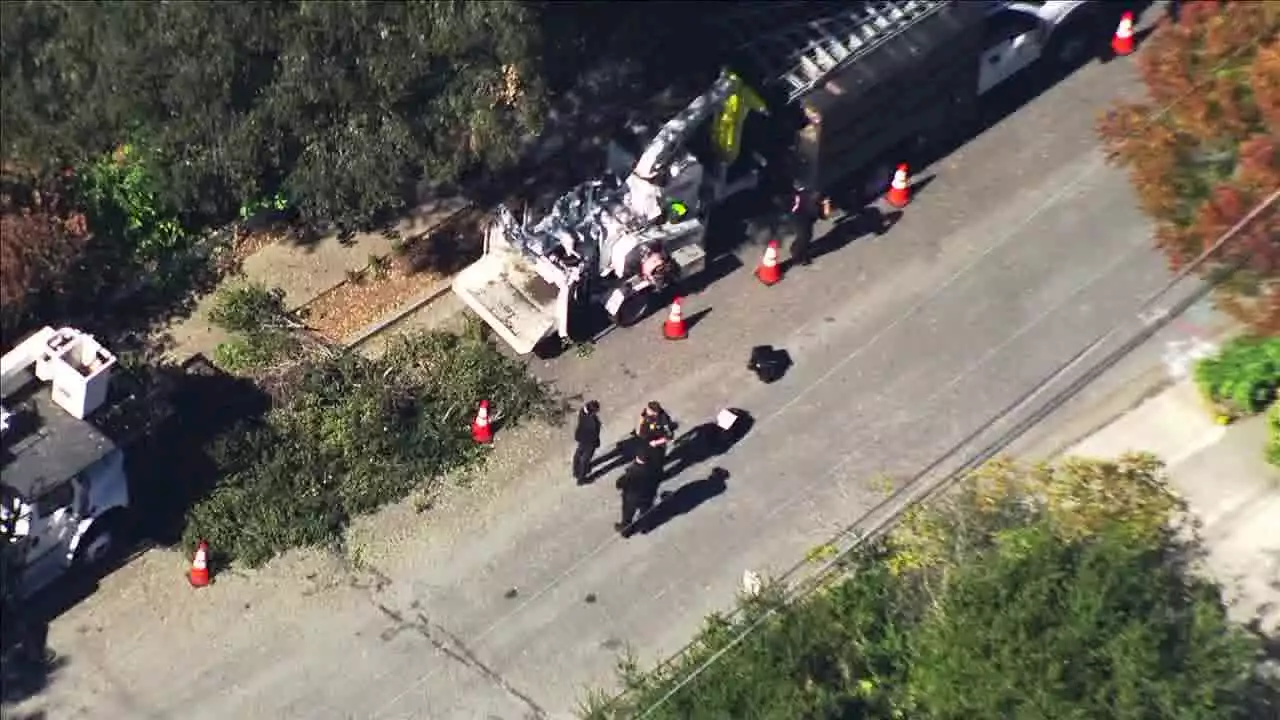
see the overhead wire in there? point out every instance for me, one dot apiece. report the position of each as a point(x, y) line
point(1158, 321)
point(1011, 232)
point(917, 494)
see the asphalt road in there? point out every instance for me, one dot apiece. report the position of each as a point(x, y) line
point(1022, 248)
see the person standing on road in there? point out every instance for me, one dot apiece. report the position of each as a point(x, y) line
point(587, 437)
point(639, 486)
point(654, 433)
point(807, 207)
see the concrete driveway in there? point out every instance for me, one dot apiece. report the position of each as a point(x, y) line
point(510, 600)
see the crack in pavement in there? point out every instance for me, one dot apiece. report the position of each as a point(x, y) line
point(455, 649)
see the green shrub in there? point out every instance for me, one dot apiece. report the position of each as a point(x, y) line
point(122, 196)
point(102, 243)
point(1273, 435)
point(248, 308)
point(252, 352)
point(351, 434)
point(1031, 611)
point(1243, 376)
point(260, 324)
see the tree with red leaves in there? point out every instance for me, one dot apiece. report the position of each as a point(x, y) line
point(1204, 150)
point(41, 237)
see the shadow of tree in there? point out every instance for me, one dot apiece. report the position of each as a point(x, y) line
point(172, 469)
point(169, 425)
point(445, 248)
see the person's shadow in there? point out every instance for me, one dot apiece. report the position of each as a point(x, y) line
point(705, 441)
point(684, 499)
point(868, 220)
point(622, 452)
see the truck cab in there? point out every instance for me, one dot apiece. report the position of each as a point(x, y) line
point(63, 487)
point(1022, 33)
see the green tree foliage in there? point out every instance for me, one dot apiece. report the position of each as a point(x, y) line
point(831, 657)
point(77, 243)
point(350, 434)
point(121, 198)
point(1077, 497)
point(1042, 628)
point(1242, 377)
point(170, 117)
point(342, 106)
point(1031, 592)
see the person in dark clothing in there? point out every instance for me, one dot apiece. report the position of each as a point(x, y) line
point(587, 437)
point(653, 415)
point(654, 433)
point(639, 486)
point(807, 208)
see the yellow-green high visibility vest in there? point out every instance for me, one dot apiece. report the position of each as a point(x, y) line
point(727, 125)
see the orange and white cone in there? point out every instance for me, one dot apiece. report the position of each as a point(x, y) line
point(899, 189)
point(199, 574)
point(1122, 41)
point(481, 430)
point(770, 271)
point(674, 327)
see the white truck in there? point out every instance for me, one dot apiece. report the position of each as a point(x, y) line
point(610, 242)
point(64, 493)
point(819, 93)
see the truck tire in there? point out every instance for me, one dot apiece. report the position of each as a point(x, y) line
point(103, 545)
point(1075, 43)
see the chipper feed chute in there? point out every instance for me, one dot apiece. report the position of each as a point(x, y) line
point(504, 289)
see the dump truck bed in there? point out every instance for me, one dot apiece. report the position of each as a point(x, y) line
point(504, 289)
point(856, 77)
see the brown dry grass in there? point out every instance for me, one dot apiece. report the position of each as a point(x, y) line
point(349, 308)
point(423, 262)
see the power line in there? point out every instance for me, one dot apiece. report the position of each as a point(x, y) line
point(1010, 233)
point(990, 451)
point(1142, 336)
point(1150, 120)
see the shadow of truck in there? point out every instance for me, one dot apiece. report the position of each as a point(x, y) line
point(173, 418)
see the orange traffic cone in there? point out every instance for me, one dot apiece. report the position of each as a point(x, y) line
point(673, 328)
point(769, 271)
point(199, 575)
point(899, 191)
point(481, 431)
point(1122, 41)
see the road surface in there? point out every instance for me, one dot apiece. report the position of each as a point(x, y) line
point(509, 601)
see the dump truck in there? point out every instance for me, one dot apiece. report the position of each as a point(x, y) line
point(812, 94)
